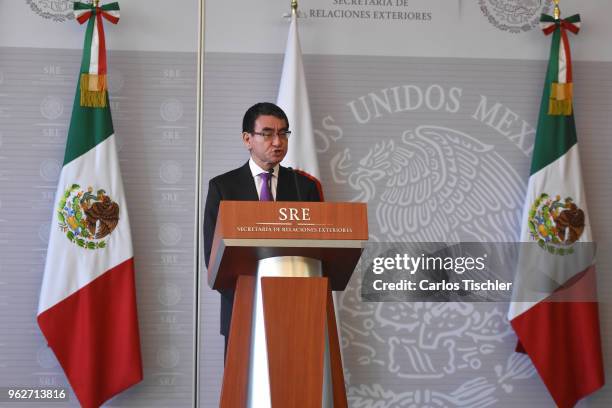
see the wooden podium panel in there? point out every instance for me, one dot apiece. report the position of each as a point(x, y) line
point(296, 339)
point(335, 356)
point(236, 373)
point(292, 220)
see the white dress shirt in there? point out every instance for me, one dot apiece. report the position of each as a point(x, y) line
point(256, 171)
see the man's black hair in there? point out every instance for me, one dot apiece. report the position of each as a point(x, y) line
point(259, 109)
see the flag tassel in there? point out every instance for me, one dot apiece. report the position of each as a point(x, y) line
point(93, 90)
point(561, 88)
point(561, 99)
point(93, 82)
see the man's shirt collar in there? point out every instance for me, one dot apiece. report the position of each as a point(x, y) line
point(256, 170)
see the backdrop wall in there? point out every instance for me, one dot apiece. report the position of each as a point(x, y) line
point(454, 57)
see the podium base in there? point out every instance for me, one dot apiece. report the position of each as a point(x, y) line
point(259, 394)
point(283, 349)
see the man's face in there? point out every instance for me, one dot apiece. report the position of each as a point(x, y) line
point(267, 152)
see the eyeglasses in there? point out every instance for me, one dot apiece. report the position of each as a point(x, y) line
point(268, 134)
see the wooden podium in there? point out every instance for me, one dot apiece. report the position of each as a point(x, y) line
point(283, 259)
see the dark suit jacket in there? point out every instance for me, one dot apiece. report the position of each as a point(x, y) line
point(239, 185)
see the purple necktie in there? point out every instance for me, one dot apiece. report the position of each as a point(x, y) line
point(266, 193)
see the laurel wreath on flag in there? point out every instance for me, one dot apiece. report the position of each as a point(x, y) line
point(71, 219)
point(543, 227)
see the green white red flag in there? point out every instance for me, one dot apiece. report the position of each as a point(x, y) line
point(555, 313)
point(87, 307)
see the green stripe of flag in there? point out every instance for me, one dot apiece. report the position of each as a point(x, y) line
point(87, 46)
point(88, 126)
point(555, 134)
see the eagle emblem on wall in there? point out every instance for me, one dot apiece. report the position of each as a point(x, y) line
point(514, 16)
point(56, 10)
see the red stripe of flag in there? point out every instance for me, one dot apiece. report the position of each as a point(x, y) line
point(567, 340)
point(94, 334)
point(84, 17)
point(110, 17)
point(102, 47)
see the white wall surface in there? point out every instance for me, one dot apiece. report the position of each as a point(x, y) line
point(458, 29)
point(145, 26)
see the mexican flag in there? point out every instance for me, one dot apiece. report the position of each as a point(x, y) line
point(87, 307)
point(555, 313)
point(293, 99)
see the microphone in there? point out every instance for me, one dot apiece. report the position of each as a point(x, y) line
point(271, 172)
point(297, 189)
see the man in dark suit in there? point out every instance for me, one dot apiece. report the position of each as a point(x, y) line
point(265, 133)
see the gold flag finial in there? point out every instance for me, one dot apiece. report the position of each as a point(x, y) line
point(294, 6)
point(557, 11)
point(96, 3)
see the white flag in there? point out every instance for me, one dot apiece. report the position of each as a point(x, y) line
point(293, 99)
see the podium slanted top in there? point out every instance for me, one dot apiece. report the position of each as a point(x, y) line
point(248, 231)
